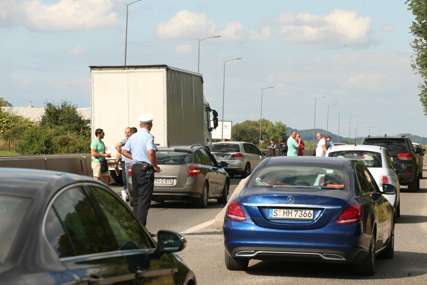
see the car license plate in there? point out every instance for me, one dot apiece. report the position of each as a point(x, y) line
point(292, 214)
point(164, 182)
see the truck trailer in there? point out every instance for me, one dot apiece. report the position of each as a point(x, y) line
point(120, 94)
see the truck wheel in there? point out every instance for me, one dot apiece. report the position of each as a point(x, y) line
point(224, 198)
point(235, 264)
point(202, 202)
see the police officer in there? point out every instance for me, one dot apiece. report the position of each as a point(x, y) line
point(141, 149)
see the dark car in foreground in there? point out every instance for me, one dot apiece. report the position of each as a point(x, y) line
point(310, 209)
point(407, 161)
point(189, 173)
point(58, 228)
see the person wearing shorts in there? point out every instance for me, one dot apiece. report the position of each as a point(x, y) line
point(99, 156)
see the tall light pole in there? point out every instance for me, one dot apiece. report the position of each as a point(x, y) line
point(315, 109)
point(260, 114)
point(223, 92)
point(339, 124)
point(349, 127)
point(327, 115)
point(126, 33)
point(199, 40)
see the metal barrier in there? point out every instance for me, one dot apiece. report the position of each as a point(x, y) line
point(73, 163)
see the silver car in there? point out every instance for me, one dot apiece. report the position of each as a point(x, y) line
point(240, 157)
point(189, 173)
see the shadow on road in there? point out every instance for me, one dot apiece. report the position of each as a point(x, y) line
point(411, 219)
point(404, 264)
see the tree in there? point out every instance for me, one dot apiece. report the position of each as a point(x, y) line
point(4, 103)
point(249, 131)
point(419, 44)
point(64, 116)
point(12, 126)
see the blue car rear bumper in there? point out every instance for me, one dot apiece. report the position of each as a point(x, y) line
point(333, 243)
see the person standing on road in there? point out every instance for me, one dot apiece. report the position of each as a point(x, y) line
point(99, 161)
point(301, 145)
point(124, 161)
point(141, 149)
point(321, 145)
point(292, 144)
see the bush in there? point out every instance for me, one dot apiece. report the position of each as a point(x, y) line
point(36, 140)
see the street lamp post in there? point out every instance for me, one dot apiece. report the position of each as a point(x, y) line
point(315, 109)
point(199, 40)
point(260, 114)
point(223, 92)
point(127, 22)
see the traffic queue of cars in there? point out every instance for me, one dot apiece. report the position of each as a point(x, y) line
point(58, 228)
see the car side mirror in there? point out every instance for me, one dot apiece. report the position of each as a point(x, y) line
point(222, 164)
point(169, 242)
point(389, 189)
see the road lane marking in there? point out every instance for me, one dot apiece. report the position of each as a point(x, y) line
point(199, 227)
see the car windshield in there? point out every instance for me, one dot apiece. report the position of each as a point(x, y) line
point(310, 177)
point(12, 211)
point(173, 157)
point(392, 146)
point(371, 159)
point(225, 147)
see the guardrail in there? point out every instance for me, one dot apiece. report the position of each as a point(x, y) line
point(73, 163)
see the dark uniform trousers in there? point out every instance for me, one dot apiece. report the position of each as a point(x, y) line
point(143, 185)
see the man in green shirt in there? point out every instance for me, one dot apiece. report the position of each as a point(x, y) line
point(292, 144)
point(99, 162)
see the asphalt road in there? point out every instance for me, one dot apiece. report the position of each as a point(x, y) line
point(204, 254)
point(179, 216)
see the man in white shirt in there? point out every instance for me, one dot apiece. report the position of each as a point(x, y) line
point(321, 146)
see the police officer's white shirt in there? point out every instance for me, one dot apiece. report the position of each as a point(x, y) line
point(320, 151)
point(139, 145)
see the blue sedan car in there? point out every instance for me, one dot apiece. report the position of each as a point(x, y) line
point(323, 209)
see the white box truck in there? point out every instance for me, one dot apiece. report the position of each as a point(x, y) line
point(173, 96)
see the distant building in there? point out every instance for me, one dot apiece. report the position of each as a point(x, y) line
point(35, 113)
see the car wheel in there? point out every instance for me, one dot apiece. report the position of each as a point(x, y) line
point(415, 186)
point(389, 250)
point(224, 198)
point(202, 202)
point(235, 264)
point(247, 171)
point(367, 266)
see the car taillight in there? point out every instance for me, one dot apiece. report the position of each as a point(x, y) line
point(237, 155)
point(405, 156)
point(385, 180)
point(130, 171)
point(235, 212)
point(193, 171)
point(350, 215)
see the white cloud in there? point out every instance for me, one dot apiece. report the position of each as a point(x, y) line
point(388, 28)
point(264, 33)
point(233, 31)
point(339, 26)
point(67, 15)
point(185, 24)
point(8, 12)
point(184, 48)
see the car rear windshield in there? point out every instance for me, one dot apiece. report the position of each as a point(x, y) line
point(12, 211)
point(173, 157)
point(310, 177)
point(371, 159)
point(392, 145)
point(225, 147)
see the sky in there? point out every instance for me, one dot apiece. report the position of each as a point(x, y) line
point(352, 55)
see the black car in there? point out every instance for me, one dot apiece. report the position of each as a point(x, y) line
point(405, 158)
point(58, 228)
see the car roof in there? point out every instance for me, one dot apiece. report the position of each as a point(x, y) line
point(231, 142)
point(183, 148)
point(310, 160)
point(34, 182)
point(387, 137)
point(372, 148)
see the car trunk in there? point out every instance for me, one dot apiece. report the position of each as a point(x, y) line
point(171, 176)
point(304, 209)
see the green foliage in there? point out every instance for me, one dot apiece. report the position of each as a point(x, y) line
point(249, 131)
point(419, 44)
point(4, 103)
point(36, 140)
point(64, 116)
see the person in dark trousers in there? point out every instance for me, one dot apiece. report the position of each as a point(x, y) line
point(141, 149)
